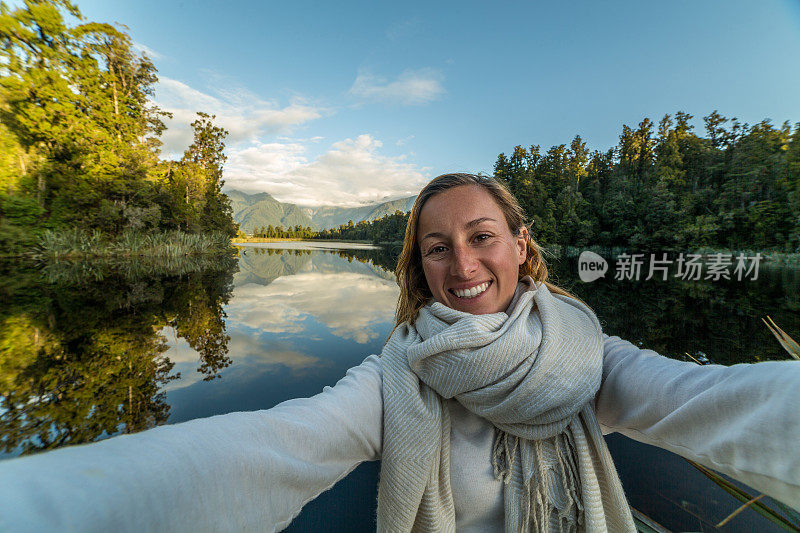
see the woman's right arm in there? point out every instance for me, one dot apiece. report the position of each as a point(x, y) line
point(240, 471)
point(740, 420)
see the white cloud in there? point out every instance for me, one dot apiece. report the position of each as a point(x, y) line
point(412, 87)
point(352, 172)
point(245, 115)
point(144, 49)
point(405, 140)
point(262, 158)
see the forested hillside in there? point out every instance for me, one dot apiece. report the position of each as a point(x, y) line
point(252, 211)
point(79, 135)
point(665, 187)
point(332, 217)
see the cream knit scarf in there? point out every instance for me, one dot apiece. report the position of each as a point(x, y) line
point(533, 372)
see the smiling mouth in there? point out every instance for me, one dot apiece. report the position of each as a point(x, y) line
point(472, 292)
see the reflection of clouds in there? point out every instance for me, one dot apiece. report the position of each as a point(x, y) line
point(248, 353)
point(180, 351)
point(350, 304)
point(186, 360)
point(262, 308)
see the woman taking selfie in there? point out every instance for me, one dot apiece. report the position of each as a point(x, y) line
point(487, 409)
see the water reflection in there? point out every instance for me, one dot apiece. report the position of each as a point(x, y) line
point(350, 304)
point(298, 319)
point(719, 318)
point(90, 350)
point(82, 352)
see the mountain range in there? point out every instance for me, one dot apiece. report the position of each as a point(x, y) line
point(252, 211)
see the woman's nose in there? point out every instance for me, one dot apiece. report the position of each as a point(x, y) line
point(464, 261)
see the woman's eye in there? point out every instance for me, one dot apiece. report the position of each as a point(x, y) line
point(482, 237)
point(437, 250)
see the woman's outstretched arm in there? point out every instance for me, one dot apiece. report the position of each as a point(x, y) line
point(741, 420)
point(248, 471)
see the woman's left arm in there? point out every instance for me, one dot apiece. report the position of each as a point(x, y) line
point(741, 420)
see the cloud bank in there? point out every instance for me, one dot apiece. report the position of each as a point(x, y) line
point(144, 49)
point(412, 87)
point(262, 158)
point(246, 116)
point(351, 172)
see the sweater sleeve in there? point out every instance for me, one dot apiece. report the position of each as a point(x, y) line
point(249, 471)
point(741, 420)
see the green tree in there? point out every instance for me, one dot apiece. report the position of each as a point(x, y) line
point(80, 97)
point(207, 152)
point(80, 135)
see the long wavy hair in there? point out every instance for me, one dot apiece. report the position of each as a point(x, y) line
point(414, 290)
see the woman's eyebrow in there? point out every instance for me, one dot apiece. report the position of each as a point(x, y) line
point(432, 234)
point(468, 225)
point(473, 223)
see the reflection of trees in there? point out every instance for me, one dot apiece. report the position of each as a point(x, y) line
point(104, 384)
point(265, 265)
point(80, 359)
point(262, 266)
point(200, 319)
point(384, 257)
point(719, 318)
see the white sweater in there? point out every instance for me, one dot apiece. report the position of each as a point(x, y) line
point(254, 471)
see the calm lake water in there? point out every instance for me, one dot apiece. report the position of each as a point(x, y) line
point(88, 351)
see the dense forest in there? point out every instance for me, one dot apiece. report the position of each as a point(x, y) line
point(665, 187)
point(387, 229)
point(279, 232)
point(660, 188)
point(79, 135)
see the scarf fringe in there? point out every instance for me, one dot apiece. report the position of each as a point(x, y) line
point(502, 456)
point(536, 497)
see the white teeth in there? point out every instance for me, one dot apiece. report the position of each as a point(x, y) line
point(472, 292)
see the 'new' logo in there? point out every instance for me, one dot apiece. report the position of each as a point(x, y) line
point(591, 266)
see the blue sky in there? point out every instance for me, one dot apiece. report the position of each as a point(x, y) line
point(348, 102)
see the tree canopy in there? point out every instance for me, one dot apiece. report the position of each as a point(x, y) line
point(664, 187)
point(80, 133)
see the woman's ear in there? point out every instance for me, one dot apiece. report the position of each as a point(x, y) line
point(522, 244)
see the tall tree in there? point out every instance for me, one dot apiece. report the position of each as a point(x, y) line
point(79, 96)
point(207, 153)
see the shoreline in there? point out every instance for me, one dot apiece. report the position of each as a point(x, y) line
point(75, 244)
point(298, 244)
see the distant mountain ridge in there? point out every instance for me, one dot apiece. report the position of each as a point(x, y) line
point(252, 211)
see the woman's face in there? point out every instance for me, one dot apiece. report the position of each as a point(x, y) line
point(469, 256)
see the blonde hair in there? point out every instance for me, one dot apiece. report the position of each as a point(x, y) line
point(414, 290)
